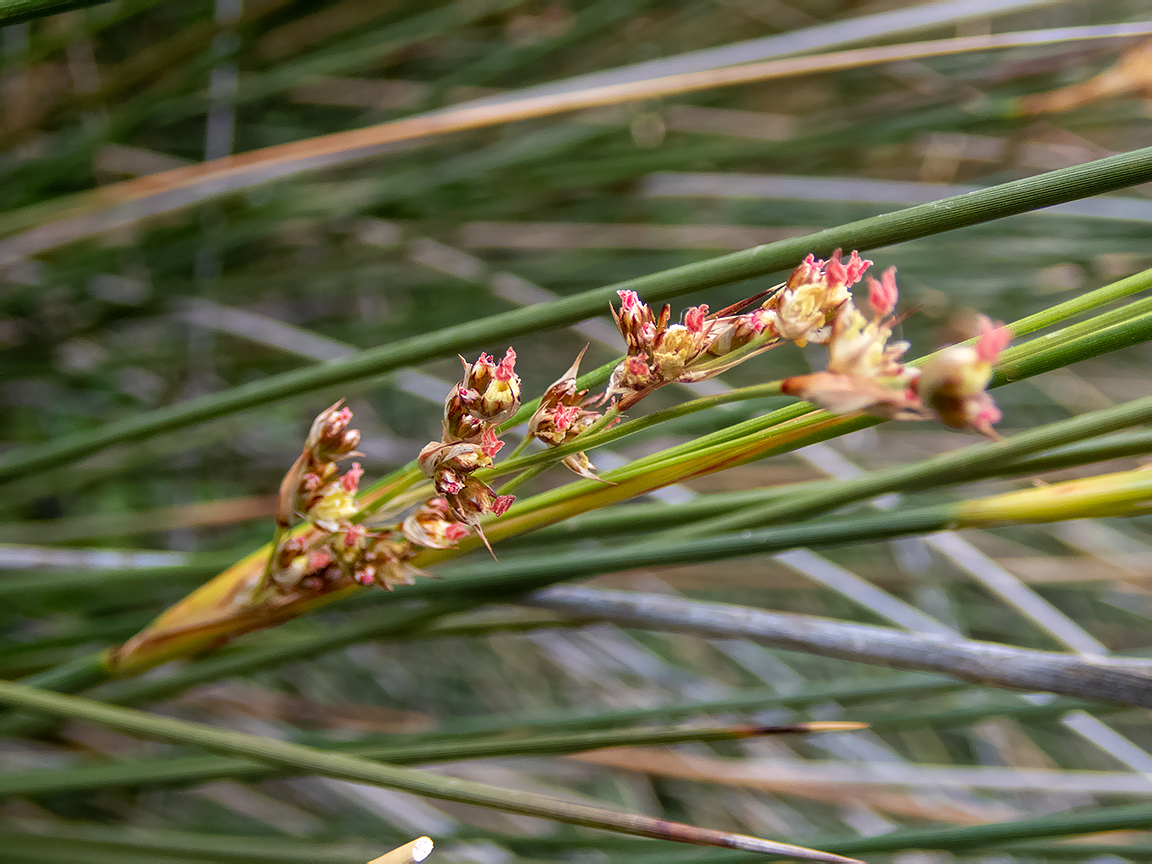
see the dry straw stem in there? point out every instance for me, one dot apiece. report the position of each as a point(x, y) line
point(409, 853)
point(181, 187)
point(1123, 681)
point(344, 767)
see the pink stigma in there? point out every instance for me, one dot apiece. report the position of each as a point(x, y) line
point(629, 300)
point(882, 295)
point(856, 267)
point(489, 443)
point(835, 273)
point(565, 416)
point(501, 503)
point(319, 559)
point(351, 480)
point(634, 365)
point(455, 531)
point(988, 414)
point(354, 535)
point(695, 317)
point(993, 339)
point(448, 484)
point(507, 368)
point(758, 319)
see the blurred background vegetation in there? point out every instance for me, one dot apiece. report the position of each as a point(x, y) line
point(110, 311)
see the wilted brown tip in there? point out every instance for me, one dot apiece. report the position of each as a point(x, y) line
point(809, 726)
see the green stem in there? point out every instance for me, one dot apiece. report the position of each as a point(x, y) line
point(1020, 196)
point(522, 478)
point(15, 11)
point(344, 767)
point(949, 467)
point(636, 518)
point(598, 436)
point(397, 750)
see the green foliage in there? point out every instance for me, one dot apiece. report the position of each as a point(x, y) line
point(167, 338)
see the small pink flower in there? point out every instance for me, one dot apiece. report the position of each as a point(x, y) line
point(882, 295)
point(319, 559)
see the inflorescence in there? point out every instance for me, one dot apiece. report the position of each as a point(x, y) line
point(865, 373)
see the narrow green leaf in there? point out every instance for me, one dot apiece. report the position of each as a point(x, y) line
point(1020, 196)
point(344, 767)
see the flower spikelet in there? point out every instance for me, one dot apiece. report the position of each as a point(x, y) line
point(864, 372)
point(311, 488)
point(562, 417)
point(488, 395)
point(953, 383)
point(813, 295)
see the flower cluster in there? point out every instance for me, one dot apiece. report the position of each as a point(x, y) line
point(312, 488)
point(703, 346)
point(487, 396)
point(810, 300)
point(564, 414)
point(315, 490)
point(342, 549)
point(865, 372)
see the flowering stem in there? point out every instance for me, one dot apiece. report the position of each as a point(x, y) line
point(972, 208)
point(523, 478)
point(521, 447)
point(598, 435)
point(913, 477)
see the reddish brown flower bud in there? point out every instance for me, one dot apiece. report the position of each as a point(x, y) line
point(434, 527)
point(635, 321)
point(459, 456)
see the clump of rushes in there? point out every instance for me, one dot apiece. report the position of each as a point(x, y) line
point(865, 373)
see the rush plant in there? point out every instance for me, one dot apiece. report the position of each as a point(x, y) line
point(793, 479)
